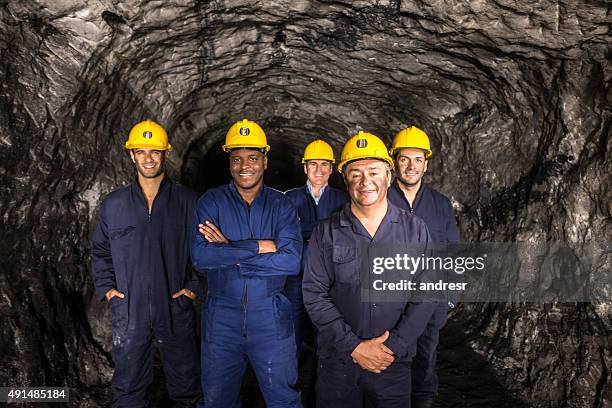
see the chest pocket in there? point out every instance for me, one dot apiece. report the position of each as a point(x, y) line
point(122, 247)
point(118, 233)
point(347, 265)
point(437, 235)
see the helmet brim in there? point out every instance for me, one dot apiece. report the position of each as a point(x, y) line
point(132, 146)
point(231, 148)
point(395, 150)
point(341, 166)
point(304, 160)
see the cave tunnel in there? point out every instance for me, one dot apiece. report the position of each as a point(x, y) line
point(515, 97)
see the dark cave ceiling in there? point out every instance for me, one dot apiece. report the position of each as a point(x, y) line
point(515, 96)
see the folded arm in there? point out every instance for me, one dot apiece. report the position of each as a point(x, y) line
point(207, 255)
point(287, 257)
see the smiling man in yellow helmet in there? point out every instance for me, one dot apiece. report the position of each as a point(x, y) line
point(364, 348)
point(247, 242)
point(315, 202)
point(141, 267)
point(411, 151)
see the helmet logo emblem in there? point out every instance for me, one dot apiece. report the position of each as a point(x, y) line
point(244, 131)
point(147, 135)
point(361, 143)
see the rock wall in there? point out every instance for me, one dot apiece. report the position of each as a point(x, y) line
point(515, 96)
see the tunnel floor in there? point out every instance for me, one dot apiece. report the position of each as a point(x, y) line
point(466, 379)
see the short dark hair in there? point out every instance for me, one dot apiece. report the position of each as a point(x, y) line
point(257, 149)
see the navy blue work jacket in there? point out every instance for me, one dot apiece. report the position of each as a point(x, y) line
point(432, 207)
point(309, 212)
point(144, 255)
point(236, 269)
point(332, 287)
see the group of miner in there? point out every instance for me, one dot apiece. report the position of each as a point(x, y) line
point(275, 271)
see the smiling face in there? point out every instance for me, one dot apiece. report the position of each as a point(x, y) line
point(318, 172)
point(367, 181)
point(247, 168)
point(149, 163)
point(411, 165)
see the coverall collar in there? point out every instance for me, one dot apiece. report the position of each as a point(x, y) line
point(348, 219)
point(136, 188)
point(417, 197)
point(235, 191)
point(321, 192)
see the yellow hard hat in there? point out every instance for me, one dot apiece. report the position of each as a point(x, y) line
point(411, 137)
point(148, 135)
point(318, 150)
point(245, 133)
point(364, 146)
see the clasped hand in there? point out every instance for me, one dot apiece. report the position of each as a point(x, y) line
point(373, 355)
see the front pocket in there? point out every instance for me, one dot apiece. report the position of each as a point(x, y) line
point(346, 264)
point(283, 316)
point(184, 302)
point(119, 314)
point(208, 316)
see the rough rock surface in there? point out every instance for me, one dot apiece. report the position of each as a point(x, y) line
point(516, 97)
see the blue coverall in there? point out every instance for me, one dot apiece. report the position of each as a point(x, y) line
point(145, 255)
point(310, 214)
point(333, 298)
point(437, 211)
point(246, 315)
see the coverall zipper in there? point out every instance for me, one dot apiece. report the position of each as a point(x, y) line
point(149, 218)
point(416, 199)
point(245, 293)
point(150, 309)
